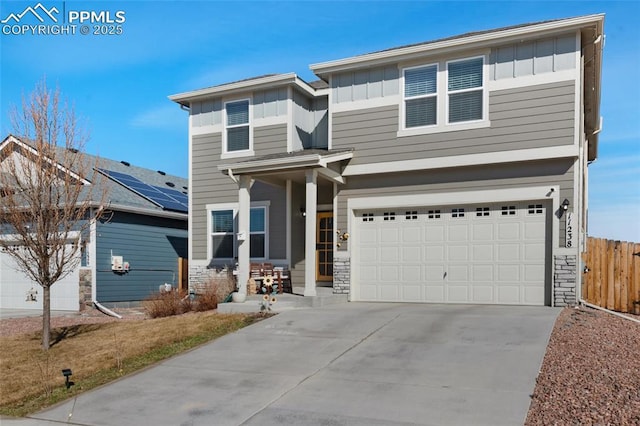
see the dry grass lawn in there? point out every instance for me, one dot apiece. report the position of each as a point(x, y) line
point(31, 379)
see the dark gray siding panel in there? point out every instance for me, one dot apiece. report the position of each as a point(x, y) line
point(277, 216)
point(151, 245)
point(270, 140)
point(208, 185)
point(502, 176)
point(297, 234)
point(521, 118)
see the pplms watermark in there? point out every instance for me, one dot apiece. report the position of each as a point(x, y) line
point(56, 19)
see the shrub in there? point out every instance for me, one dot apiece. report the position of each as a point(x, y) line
point(164, 304)
point(206, 301)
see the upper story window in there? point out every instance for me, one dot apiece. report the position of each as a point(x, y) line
point(444, 96)
point(421, 96)
point(237, 126)
point(465, 90)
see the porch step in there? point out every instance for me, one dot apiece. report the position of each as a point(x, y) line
point(286, 302)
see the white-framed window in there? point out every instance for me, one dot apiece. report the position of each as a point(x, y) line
point(465, 90)
point(420, 93)
point(237, 127)
point(222, 234)
point(223, 229)
point(258, 233)
point(444, 96)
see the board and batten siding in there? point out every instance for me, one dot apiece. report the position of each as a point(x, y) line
point(266, 103)
point(490, 177)
point(533, 57)
point(365, 84)
point(521, 118)
point(151, 245)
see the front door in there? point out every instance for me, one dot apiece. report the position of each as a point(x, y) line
point(324, 247)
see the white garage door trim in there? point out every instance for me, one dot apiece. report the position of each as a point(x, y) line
point(452, 198)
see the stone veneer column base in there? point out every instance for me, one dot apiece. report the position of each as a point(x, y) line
point(341, 275)
point(84, 296)
point(564, 280)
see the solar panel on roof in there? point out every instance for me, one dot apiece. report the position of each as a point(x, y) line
point(156, 195)
point(176, 195)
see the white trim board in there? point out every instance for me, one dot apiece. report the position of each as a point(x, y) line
point(565, 151)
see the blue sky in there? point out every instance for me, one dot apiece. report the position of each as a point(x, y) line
point(120, 83)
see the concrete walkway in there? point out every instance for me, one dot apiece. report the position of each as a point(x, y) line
point(350, 364)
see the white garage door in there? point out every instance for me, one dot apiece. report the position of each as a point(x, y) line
point(492, 254)
point(19, 292)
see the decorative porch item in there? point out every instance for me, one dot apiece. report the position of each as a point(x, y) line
point(238, 297)
point(268, 299)
point(252, 287)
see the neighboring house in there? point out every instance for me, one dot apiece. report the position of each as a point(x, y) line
point(145, 225)
point(451, 171)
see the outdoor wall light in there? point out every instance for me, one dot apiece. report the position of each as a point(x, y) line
point(303, 212)
point(565, 205)
point(67, 373)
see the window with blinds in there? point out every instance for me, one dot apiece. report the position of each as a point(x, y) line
point(222, 234)
point(237, 126)
point(421, 98)
point(465, 90)
point(224, 228)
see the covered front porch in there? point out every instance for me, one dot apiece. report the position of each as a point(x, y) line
point(310, 180)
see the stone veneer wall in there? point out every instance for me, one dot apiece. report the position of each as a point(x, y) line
point(199, 275)
point(85, 289)
point(341, 274)
point(565, 280)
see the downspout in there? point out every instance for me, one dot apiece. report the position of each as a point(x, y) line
point(105, 310)
point(585, 303)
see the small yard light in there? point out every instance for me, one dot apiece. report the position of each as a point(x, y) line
point(67, 373)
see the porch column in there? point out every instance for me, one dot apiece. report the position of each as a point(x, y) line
point(311, 209)
point(244, 206)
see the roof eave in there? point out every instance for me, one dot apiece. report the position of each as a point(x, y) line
point(285, 163)
point(243, 86)
point(475, 41)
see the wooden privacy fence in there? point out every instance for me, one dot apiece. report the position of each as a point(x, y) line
point(611, 278)
point(183, 274)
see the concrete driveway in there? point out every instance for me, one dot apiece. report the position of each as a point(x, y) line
point(350, 364)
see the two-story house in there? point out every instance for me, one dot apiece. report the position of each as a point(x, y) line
point(451, 171)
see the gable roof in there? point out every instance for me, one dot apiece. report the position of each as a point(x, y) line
point(119, 197)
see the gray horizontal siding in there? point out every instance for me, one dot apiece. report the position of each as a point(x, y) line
point(208, 185)
point(150, 245)
point(521, 118)
point(503, 176)
point(270, 140)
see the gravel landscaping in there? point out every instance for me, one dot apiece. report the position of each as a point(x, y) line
point(591, 372)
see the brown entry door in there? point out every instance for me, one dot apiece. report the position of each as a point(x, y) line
point(324, 247)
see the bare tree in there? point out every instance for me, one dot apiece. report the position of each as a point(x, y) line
point(47, 199)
